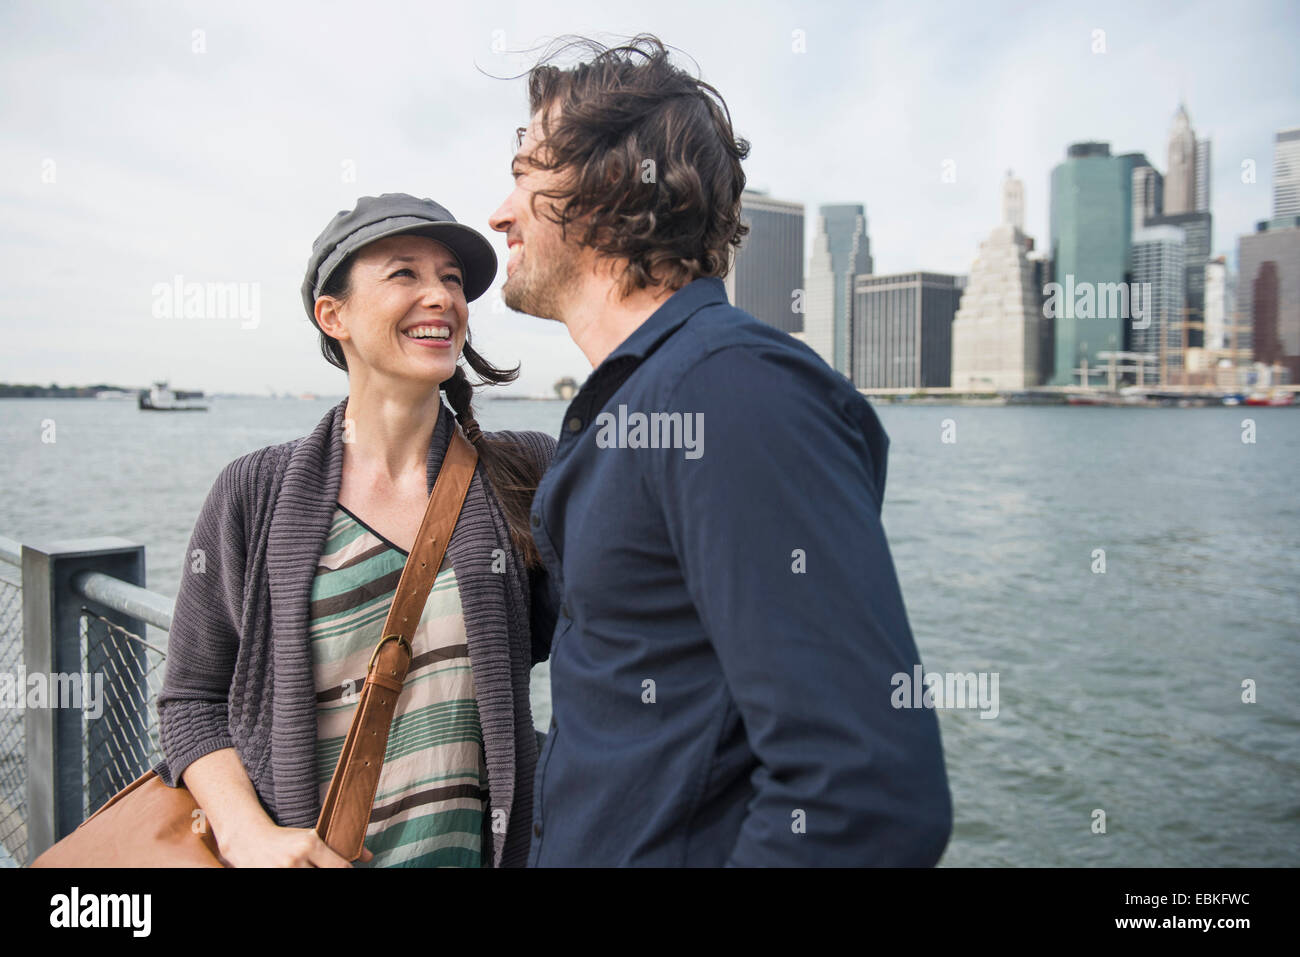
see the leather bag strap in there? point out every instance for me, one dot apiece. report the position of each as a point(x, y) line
point(345, 813)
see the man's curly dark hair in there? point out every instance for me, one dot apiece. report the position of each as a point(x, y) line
point(649, 163)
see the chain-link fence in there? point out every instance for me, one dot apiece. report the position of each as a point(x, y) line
point(120, 726)
point(13, 767)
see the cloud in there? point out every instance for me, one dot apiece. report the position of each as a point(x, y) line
point(223, 165)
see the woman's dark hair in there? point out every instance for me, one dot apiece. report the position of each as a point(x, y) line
point(509, 471)
point(649, 162)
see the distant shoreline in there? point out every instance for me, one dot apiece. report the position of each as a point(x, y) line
point(927, 401)
point(1090, 398)
point(75, 393)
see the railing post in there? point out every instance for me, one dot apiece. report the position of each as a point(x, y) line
point(52, 648)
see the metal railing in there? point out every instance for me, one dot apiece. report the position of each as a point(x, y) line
point(78, 684)
point(13, 781)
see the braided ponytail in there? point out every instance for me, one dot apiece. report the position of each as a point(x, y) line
point(509, 471)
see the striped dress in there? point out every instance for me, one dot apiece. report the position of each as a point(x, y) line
point(429, 804)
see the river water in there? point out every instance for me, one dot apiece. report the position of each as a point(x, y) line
point(1119, 690)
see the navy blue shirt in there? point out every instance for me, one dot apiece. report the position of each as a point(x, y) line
point(729, 618)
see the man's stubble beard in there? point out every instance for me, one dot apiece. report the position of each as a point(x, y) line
point(537, 289)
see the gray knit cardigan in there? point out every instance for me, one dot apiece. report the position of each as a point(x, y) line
point(239, 665)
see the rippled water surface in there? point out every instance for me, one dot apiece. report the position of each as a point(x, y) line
point(1119, 691)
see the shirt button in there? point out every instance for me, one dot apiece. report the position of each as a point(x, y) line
point(575, 424)
point(537, 829)
point(552, 722)
point(536, 520)
point(564, 610)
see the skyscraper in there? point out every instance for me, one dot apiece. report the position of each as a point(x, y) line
point(1187, 182)
point(1202, 190)
point(1180, 177)
point(1197, 228)
point(1158, 269)
point(1148, 194)
point(1286, 173)
point(1040, 264)
point(846, 253)
point(1013, 203)
point(902, 329)
point(997, 332)
point(1091, 224)
point(766, 277)
point(1268, 291)
point(1265, 296)
point(1220, 301)
point(819, 297)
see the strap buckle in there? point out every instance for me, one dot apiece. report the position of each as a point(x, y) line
point(383, 641)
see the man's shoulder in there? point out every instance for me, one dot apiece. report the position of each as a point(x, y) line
point(745, 369)
point(723, 336)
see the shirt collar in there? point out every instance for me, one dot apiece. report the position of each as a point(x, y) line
point(672, 312)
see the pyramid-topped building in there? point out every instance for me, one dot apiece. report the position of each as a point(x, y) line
point(997, 332)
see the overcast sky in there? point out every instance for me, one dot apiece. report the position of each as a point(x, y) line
point(128, 157)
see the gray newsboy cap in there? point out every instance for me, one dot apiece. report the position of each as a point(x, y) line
point(378, 216)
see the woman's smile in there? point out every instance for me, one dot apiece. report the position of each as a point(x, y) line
point(431, 335)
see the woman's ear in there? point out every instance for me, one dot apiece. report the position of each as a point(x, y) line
point(328, 318)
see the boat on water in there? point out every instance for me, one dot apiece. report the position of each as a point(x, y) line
point(162, 398)
point(1270, 398)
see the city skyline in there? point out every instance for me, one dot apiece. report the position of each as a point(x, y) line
point(221, 166)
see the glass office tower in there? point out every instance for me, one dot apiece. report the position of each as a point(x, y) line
point(902, 329)
point(1091, 224)
point(766, 277)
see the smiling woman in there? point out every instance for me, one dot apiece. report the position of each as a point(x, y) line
point(405, 287)
point(313, 535)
